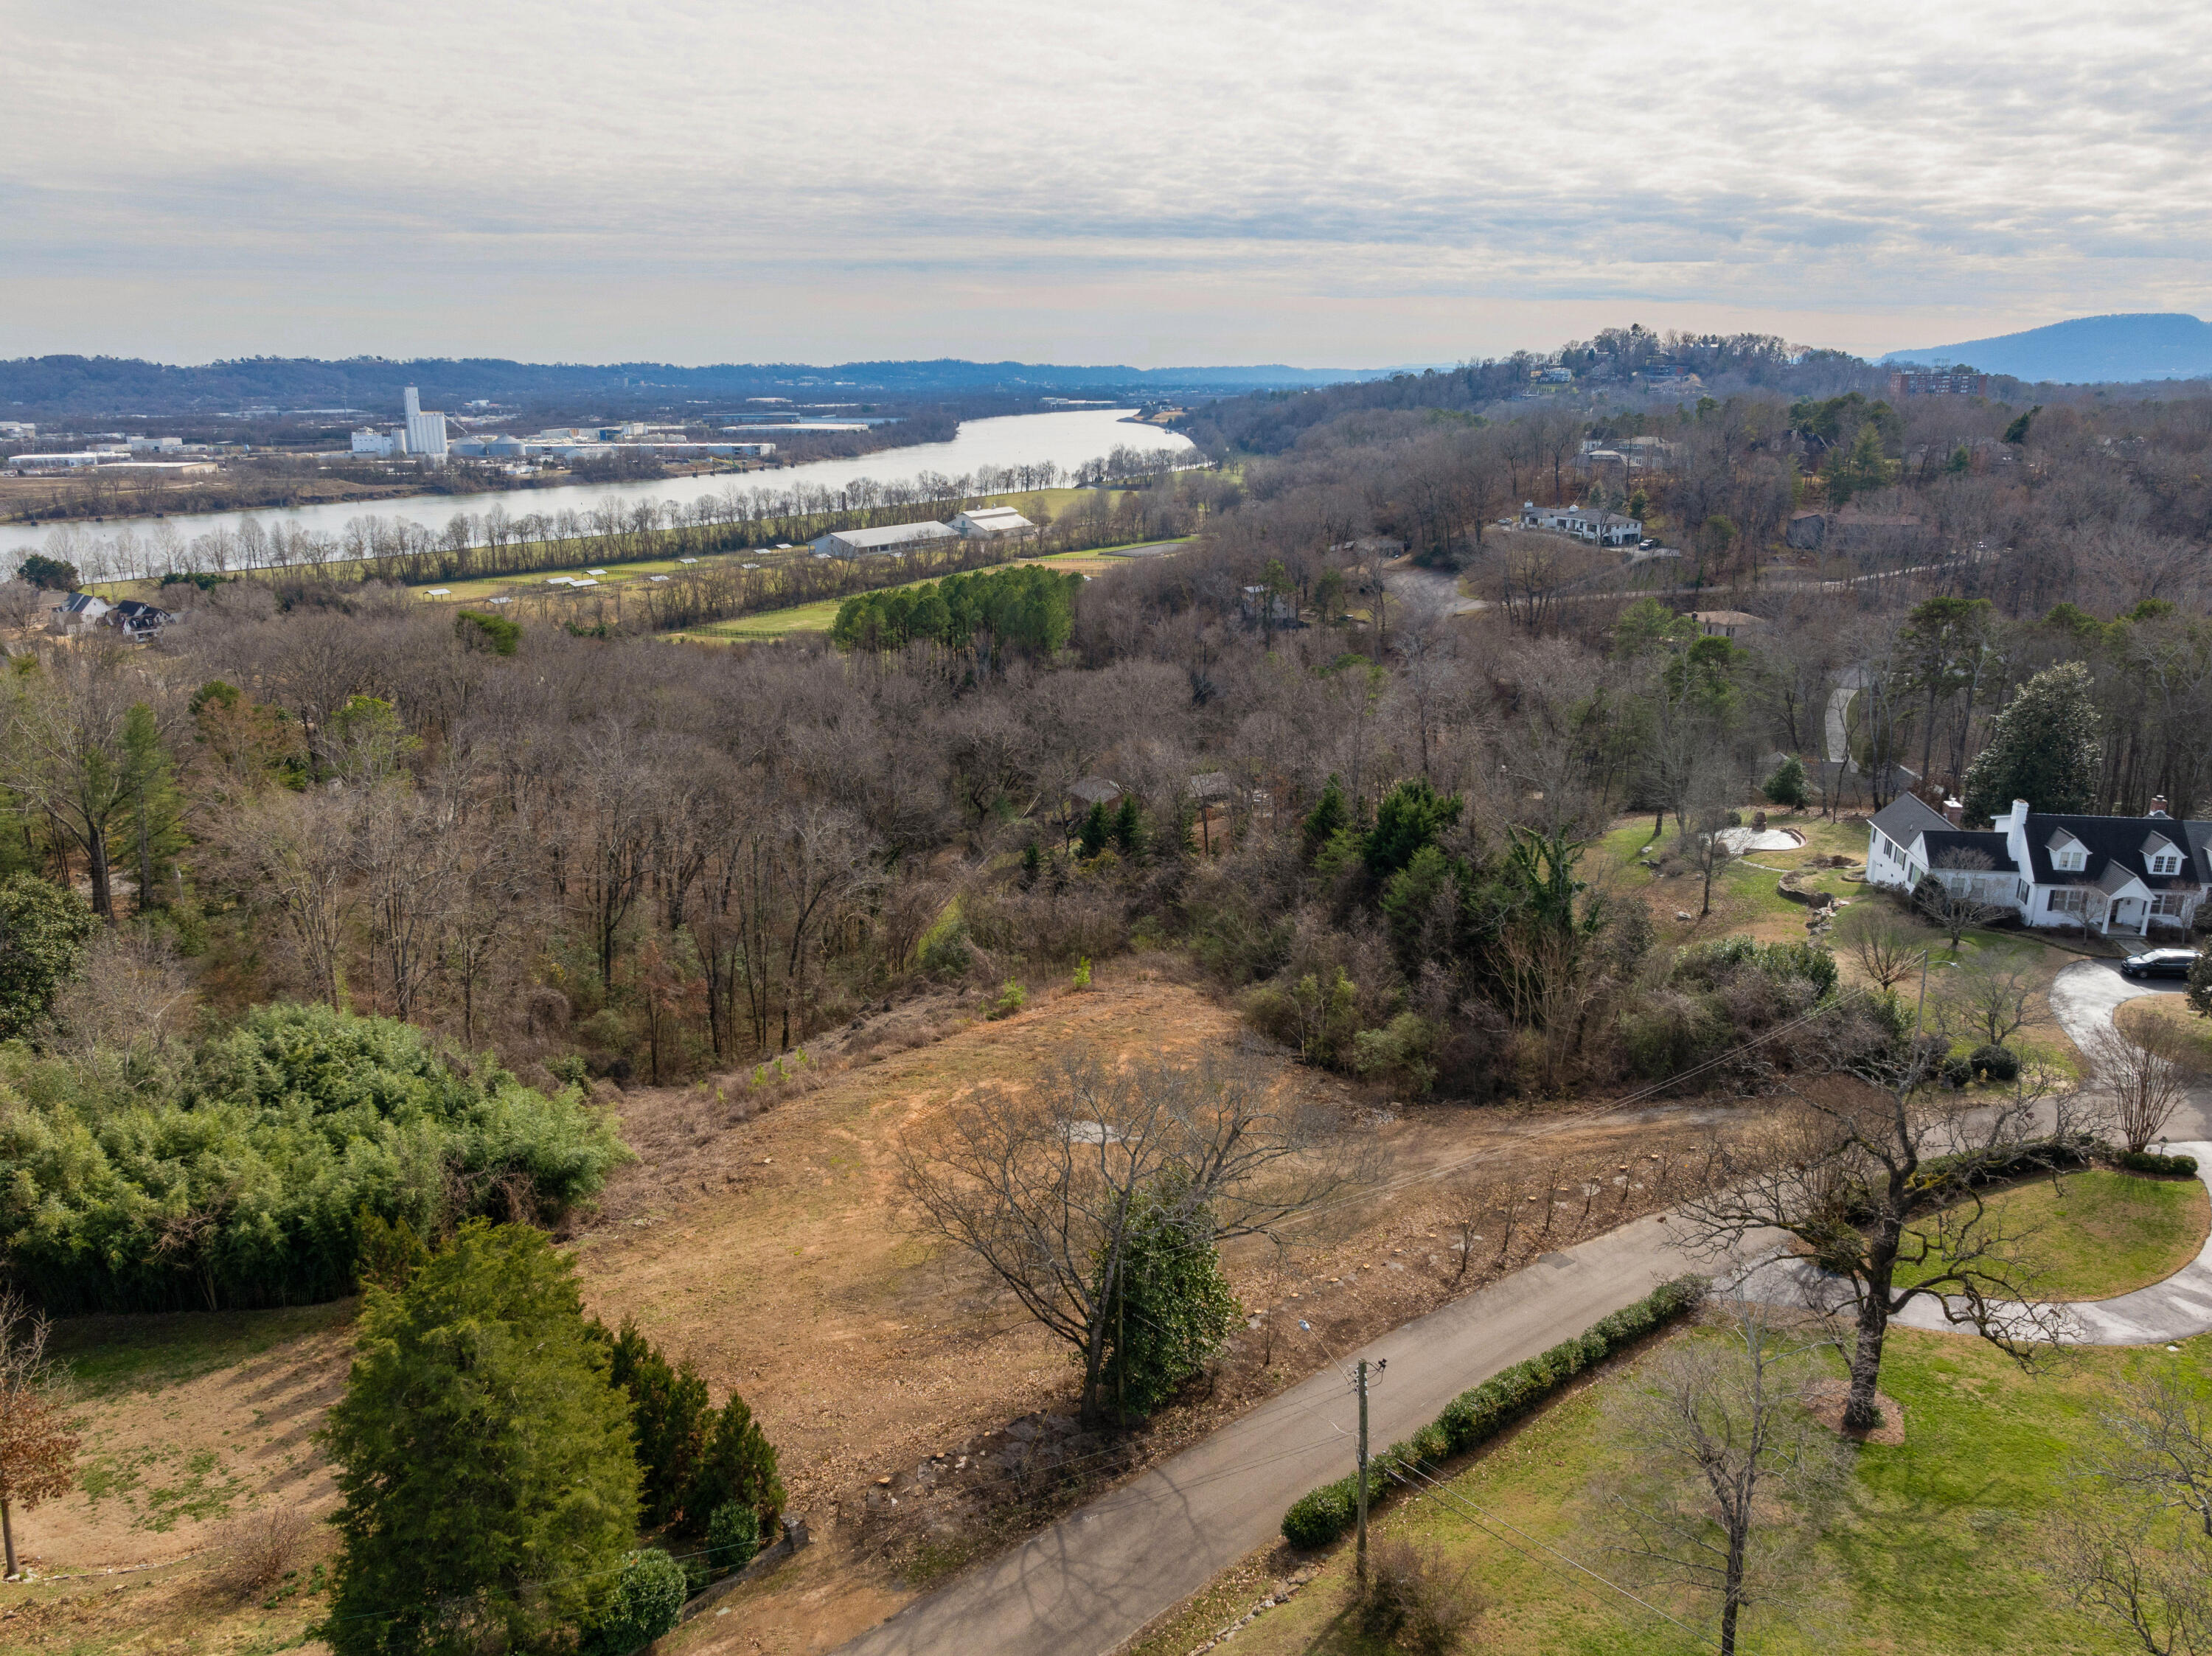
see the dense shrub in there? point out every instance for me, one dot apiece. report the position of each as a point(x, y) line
point(246, 1185)
point(1720, 994)
point(1474, 1417)
point(1995, 1063)
point(1317, 1519)
point(732, 1536)
point(645, 1603)
point(2149, 1161)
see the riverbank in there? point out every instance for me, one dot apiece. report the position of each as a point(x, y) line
point(990, 455)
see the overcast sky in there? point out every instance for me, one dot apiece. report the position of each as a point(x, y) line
point(1153, 183)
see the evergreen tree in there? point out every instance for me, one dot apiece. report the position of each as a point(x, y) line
point(1410, 817)
point(1786, 786)
point(1091, 839)
point(2043, 748)
point(155, 830)
point(490, 1492)
point(737, 1466)
point(670, 1417)
point(1328, 815)
point(43, 932)
point(1129, 836)
point(1171, 1311)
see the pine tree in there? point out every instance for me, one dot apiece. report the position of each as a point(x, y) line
point(1328, 815)
point(737, 1466)
point(2043, 748)
point(490, 1491)
point(1097, 827)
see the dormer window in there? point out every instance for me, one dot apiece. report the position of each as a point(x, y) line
point(2165, 862)
point(2072, 860)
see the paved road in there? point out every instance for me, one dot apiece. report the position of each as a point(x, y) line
point(1093, 1579)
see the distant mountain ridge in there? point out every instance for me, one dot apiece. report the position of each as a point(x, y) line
point(2120, 348)
point(121, 385)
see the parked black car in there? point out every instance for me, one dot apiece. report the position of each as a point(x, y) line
point(2159, 963)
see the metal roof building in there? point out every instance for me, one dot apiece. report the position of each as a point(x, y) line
point(891, 538)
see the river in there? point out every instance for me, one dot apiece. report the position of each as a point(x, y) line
point(1067, 439)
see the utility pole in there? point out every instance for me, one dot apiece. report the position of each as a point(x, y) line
point(1361, 1387)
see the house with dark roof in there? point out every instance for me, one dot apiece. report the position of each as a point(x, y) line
point(2118, 876)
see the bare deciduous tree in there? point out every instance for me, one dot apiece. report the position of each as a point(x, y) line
point(1040, 1185)
point(1887, 947)
point(2139, 1082)
point(293, 854)
point(1882, 1182)
point(2137, 1548)
point(1954, 905)
point(38, 1449)
point(1992, 995)
point(1723, 1455)
point(70, 752)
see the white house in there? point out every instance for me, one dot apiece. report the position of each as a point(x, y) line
point(891, 538)
point(2112, 874)
point(79, 610)
point(992, 522)
point(1601, 528)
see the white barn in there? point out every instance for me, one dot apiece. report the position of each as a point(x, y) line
point(891, 538)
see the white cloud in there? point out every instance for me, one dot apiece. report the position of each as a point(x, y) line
point(1147, 182)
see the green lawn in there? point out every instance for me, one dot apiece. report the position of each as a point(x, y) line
point(2100, 1233)
point(1933, 1552)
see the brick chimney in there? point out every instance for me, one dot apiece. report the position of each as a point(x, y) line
point(2157, 804)
point(1954, 812)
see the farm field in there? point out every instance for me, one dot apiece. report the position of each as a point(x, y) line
point(1934, 1548)
point(818, 617)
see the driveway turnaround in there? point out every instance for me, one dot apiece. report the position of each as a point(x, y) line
point(2179, 1309)
point(1095, 1578)
point(2085, 995)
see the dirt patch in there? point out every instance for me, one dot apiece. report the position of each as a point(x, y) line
point(923, 1420)
point(164, 1463)
point(1826, 1406)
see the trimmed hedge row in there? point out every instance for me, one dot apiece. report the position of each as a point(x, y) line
point(2146, 1162)
point(1475, 1417)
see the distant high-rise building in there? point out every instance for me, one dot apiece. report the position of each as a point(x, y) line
point(1942, 384)
point(426, 430)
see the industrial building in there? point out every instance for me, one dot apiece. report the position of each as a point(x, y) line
point(422, 433)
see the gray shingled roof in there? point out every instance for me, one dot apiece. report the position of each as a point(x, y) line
point(1909, 815)
point(2116, 843)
